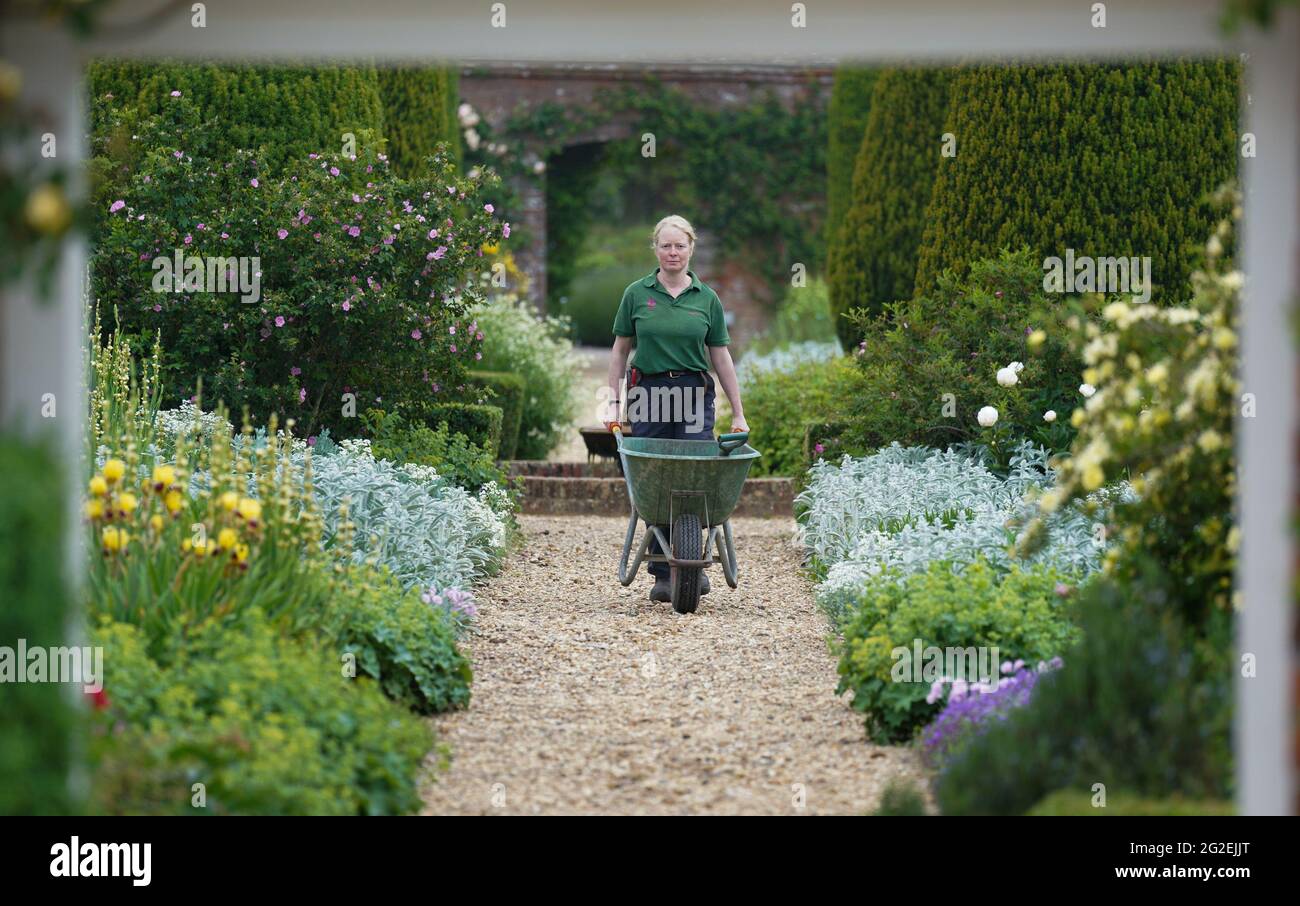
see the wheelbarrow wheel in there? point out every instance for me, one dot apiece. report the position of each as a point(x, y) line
point(685, 580)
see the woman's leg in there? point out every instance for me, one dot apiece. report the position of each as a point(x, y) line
point(645, 427)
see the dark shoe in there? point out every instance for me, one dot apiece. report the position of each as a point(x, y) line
point(704, 582)
point(663, 590)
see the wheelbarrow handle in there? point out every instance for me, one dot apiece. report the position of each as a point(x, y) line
point(729, 442)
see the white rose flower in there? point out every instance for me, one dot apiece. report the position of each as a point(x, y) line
point(1234, 279)
point(1007, 377)
point(539, 167)
point(1087, 389)
point(472, 139)
point(987, 417)
point(1049, 416)
point(1018, 366)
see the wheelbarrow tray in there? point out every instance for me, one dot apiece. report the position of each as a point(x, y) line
point(666, 478)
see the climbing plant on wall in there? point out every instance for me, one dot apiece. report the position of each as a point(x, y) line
point(752, 177)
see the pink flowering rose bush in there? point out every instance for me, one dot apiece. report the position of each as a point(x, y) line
point(345, 284)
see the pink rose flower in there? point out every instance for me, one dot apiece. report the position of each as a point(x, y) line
point(282, 233)
point(116, 206)
point(279, 320)
point(253, 182)
point(415, 334)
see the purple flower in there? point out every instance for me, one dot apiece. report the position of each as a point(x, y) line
point(453, 347)
point(478, 355)
point(438, 252)
point(334, 171)
point(433, 233)
point(354, 231)
point(282, 233)
point(415, 334)
point(302, 395)
point(311, 441)
point(177, 154)
point(225, 235)
point(505, 232)
point(819, 448)
point(279, 320)
point(295, 371)
point(347, 306)
point(116, 206)
point(176, 94)
point(253, 182)
point(188, 238)
point(488, 208)
point(451, 329)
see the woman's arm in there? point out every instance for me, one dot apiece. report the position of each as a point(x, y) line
point(726, 371)
point(617, 366)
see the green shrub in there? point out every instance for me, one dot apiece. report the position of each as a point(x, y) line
point(846, 120)
point(1079, 802)
point(954, 341)
point(335, 314)
point(37, 723)
point(284, 112)
point(419, 112)
point(480, 424)
point(778, 405)
point(825, 440)
point(267, 725)
point(454, 456)
point(1138, 706)
point(873, 259)
point(900, 799)
point(1164, 412)
point(804, 316)
point(404, 644)
point(537, 348)
point(1113, 159)
point(1021, 615)
point(506, 390)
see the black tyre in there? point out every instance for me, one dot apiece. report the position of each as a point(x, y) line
point(686, 579)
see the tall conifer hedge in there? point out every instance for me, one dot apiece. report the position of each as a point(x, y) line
point(419, 111)
point(874, 257)
point(1110, 160)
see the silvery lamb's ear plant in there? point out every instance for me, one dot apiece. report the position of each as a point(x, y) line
point(785, 359)
point(880, 517)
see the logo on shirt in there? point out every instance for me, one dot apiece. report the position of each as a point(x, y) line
point(650, 303)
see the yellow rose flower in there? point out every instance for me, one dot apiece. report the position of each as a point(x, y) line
point(98, 486)
point(48, 210)
point(1093, 477)
point(114, 469)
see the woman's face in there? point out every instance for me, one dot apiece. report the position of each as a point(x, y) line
point(673, 250)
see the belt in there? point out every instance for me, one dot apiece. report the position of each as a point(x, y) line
point(671, 374)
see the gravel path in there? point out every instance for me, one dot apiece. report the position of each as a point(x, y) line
point(589, 698)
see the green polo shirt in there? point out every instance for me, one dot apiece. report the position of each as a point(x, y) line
point(671, 333)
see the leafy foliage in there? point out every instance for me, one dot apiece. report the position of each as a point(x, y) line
point(873, 257)
point(1018, 613)
point(1108, 159)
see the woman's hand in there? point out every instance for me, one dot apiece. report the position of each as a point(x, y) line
point(612, 415)
point(738, 425)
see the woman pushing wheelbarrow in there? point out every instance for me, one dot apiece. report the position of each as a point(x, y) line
point(681, 481)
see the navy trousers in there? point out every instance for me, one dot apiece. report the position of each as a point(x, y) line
point(669, 421)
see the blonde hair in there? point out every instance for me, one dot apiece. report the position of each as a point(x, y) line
point(673, 220)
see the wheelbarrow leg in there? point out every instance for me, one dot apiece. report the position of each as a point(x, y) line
point(625, 575)
point(727, 555)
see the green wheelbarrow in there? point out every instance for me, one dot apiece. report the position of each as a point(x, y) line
point(691, 486)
